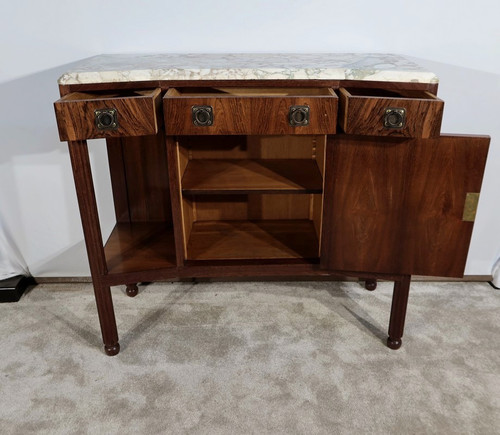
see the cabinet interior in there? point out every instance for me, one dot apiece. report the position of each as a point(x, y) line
point(248, 92)
point(251, 197)
point(386, 93)
point(107, 94)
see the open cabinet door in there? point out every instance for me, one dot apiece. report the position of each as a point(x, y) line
point(397, 205)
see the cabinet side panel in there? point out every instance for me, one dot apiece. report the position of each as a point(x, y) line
point(145, 163)
point(363, 197)
point(188, 218)
point(317, 212)
point(176, 196)
point(118, 179)
point(440, 174)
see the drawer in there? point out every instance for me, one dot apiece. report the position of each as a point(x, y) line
point(84, 115)
point(380, 112)
point(207, 111)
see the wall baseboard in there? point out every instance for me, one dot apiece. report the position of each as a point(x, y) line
point(88, 279)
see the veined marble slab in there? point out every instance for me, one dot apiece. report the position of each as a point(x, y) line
point(335, 66)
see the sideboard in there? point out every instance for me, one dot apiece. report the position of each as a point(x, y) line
point(254, 165)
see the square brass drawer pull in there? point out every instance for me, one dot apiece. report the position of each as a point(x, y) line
point(106, 119)
point(203, 116)
point(394, 117)
point(298, 116)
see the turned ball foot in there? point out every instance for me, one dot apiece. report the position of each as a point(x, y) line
point(370, 284)
point(132, 290)
point(112, 349)
point(394, 343)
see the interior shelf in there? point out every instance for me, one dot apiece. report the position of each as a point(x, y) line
point(252, 239)
point(139, 246)
point(244, 176)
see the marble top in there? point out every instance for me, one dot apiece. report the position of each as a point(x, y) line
point(335, 66)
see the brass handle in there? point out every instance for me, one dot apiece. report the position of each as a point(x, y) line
point(298, 116)
point(106, 119)
point(202, 116)
point(394, 117)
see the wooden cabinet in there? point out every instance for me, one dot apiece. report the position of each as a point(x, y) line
point(238, 178)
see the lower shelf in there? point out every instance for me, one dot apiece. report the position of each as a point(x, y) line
point(139, 246)
point(259, 239)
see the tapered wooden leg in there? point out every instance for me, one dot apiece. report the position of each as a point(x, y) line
point(370, 284)
point(84, 185)
point(132, 290)
point(398, 312)
point(107, 319)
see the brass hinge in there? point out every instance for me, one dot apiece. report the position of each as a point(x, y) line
point(470, 207)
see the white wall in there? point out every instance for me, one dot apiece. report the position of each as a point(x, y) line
point(40, 229)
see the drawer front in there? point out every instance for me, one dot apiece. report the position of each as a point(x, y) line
point(83, 116)
point(250, 111)
point(387, 113)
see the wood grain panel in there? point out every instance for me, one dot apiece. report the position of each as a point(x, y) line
point(146, 172)
point(137, 114)
point(364, 115)
point(189, 216)
point(440, 174)
point(118, 179)
point(256, 206)
point(134, 247)
point(247, 176)
point(319, 147)
point(364, 192)
point(231, 240)
point(215, 147)
point(221, 207)
point(176, 199)
point(248, 114)
point(279, 206)
point(317, 214)
point(396, 206)
point(251, 147)
point(282, 147)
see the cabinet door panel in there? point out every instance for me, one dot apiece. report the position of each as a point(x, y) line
point(441, 172)
point(396, 206)
point(364, 190)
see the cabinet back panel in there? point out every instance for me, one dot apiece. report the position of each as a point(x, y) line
point(245, 207)
point(251, 147)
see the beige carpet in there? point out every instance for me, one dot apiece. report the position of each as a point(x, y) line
point(264, 358)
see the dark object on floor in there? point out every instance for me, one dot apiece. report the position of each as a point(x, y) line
point(11, 289)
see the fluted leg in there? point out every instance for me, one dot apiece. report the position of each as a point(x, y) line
point(85, 193)
point(398, 312)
